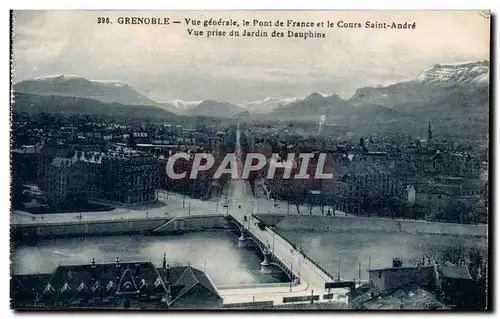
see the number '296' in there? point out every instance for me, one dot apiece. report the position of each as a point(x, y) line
point(103, 20)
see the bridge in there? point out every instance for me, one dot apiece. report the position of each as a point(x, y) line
point(306, 278)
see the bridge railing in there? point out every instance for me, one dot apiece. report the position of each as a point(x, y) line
point(315, 263)
point(281, 236)
point(263, 247)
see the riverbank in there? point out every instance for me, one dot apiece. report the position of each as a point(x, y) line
point(351, 223)
point(151, 225)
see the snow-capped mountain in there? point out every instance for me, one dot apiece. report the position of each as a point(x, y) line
point(455, 95)
point(314, 105)
point(456, 73)
point(77, 86)
point(430, 85)
point(65, 77)
point(183, 105)
point(58, 76)
point(267, 104)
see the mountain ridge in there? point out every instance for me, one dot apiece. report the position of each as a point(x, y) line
point(456, 92)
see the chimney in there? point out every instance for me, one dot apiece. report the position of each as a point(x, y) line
point(92, 272)
point(137, 269)
point(164, 260)
point(168, 274)
point(397, 263)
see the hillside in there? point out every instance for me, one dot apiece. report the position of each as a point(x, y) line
point(76, 86)
point(215, 109)
point(453, 96)
point(65, 105)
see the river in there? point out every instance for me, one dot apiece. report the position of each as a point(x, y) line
point(226, 263)
point(372, 249)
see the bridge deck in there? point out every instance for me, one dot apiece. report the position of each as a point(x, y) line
point(309, 274)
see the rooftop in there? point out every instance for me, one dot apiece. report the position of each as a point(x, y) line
point(76, 285)
point(455, 272)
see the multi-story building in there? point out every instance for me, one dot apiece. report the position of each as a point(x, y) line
point(198, 187)
point(129, 177)
point(432, 162)
point(462, 164)
point(359, 178)
point(47, 155)
point(123, 176)
point(73, 179)
point(25, 163)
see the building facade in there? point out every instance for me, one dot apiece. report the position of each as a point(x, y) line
point(127, 177)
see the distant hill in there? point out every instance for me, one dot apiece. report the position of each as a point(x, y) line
point(440, 84)
point(314, 105)
point(335, 110)
point(245, 116)
point(215, 109)
point(453, 96)
point(66, 105)
point(182, 105)
point(267, 104)
point(76, 86)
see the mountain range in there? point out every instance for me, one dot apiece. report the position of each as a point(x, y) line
point(76, 86)
point(69, 105)
point(455, 94)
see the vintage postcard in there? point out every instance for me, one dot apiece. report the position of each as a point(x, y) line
point(165, 160)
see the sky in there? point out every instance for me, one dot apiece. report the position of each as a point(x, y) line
point(165, 63)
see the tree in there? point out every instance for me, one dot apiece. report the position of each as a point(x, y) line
point(131, 140)
point(362, 142)
point(298, 194)
point(372, 201)
point(454, 253)
point(397, 207)
point(459, 211)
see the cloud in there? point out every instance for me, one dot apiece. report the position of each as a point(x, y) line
point(166, 63)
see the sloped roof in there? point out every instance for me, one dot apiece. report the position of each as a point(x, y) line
point(400, 299)
point(456, 272)
point(188, 280)
point(107, 278)
point(203, 280)
point(29, 283)
point(127, 283)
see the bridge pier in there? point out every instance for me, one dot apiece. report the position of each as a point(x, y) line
point(265, 265)
point(242, 241)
